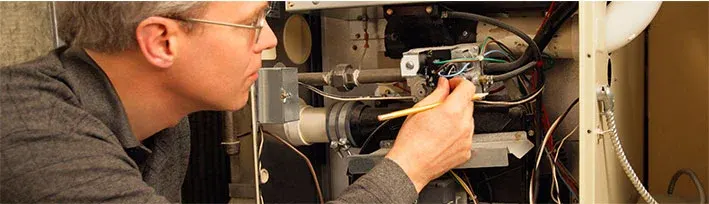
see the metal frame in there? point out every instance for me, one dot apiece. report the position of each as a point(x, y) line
point(295, 6)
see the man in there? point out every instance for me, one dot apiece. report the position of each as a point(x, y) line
point(104, 119)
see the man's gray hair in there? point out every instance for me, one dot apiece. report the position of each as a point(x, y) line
point(111, 26)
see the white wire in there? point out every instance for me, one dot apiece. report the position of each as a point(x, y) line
point(260, 146)
point(555, 183)
point(544, 142)
point(359, 98)
point(512, 103)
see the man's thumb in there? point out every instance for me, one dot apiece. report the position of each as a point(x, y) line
point(438, 95)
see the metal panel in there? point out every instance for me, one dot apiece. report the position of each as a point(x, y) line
point(591, 41)
point(489, 150)
point(601, 178)
point(277, 97)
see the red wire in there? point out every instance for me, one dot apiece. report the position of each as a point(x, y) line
point(546, 16)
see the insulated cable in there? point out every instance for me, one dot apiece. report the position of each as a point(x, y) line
point(513, 103)
point(465, 186)
point(555, 183)
point(513, 73)
point(475, 17)
point(546, 137)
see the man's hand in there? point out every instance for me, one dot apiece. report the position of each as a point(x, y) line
point(435, 141)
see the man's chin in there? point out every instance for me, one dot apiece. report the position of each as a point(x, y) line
point(240, 103)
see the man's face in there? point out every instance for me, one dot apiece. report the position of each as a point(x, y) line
point(218, 64)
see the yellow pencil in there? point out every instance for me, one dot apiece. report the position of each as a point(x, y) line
point(413, 110)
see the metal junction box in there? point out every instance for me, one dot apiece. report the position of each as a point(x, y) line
point(277, 95)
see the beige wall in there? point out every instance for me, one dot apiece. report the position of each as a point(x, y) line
point(678, 87)
point(25, 31)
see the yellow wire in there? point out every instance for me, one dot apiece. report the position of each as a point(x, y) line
point(465, 186)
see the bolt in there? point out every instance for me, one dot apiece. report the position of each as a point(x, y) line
point(285, 95)
point(530, 132)
point(343, 141)
point(354, 47)
point(409, 65)
point(465, 33)
point(390, 12)
point(357, 36)
point(429, 9)
point(333, 145)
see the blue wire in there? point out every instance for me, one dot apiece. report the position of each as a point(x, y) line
point(465, 68)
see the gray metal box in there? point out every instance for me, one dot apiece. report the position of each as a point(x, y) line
point(277, 95)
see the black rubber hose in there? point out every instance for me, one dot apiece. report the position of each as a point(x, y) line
point(514, 72)
point(498, 23)
point(563, 12)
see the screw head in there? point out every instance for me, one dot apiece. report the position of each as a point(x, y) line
point(429, 9)
point(354, 47)
point(333, 145)
point(390, 12)
point(290, 4)
point(409, 65)
point(316, 2)
point(465, 33)
point(357, 36)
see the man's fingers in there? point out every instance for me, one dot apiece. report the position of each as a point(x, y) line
point(454, 82)
point(438, 95)
point(461, 98)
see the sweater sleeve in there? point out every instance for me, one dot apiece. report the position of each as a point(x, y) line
point(385, 183)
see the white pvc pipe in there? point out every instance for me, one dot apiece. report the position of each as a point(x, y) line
point(625, 20)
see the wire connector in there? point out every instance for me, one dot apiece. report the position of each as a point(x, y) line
point(605, 99)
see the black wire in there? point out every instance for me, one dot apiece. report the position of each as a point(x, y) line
point(366, 141)
point(514, 72)
point(498, 23)
point(498, 175)
point(557, 18)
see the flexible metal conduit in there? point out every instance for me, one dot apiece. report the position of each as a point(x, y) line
point(605, 97)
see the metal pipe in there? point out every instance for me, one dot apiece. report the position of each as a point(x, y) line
point(370, 76)
point(312, 125)
point(313, 78)
point(363, 76)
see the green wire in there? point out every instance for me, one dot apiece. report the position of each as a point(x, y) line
point(495, 60)
point(469, 59)
point(480, 47)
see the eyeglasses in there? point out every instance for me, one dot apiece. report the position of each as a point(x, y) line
point(257, 25)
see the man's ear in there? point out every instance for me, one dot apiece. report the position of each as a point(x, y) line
point(157, 40)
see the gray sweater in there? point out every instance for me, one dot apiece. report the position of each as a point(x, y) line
point(65, 137)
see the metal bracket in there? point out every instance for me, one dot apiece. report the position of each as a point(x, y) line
point(490, 150)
